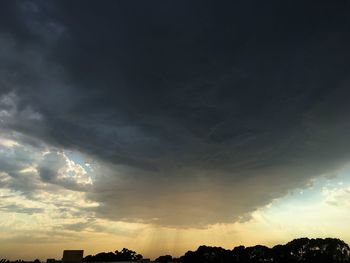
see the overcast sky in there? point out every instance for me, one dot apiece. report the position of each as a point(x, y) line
point(162, 125)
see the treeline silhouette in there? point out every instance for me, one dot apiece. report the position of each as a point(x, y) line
point(329, 250)
point(318, 250)
point(123, 255)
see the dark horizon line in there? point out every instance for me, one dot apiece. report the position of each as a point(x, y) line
point(130, 255)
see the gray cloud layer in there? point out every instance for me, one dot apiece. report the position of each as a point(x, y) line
point(196, 113)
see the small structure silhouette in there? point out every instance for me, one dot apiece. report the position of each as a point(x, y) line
point(73, 256)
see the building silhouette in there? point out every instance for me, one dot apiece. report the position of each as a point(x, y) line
point(72, 256)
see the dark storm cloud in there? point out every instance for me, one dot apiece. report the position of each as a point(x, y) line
point(201, 109)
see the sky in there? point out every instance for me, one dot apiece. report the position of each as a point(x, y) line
point(164, 125)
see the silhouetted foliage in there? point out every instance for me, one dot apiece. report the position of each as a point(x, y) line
point(164, 259)
point(123, 255)
point(207, 254)
point(318, 250)
point(328, 250)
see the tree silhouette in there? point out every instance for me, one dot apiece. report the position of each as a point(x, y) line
point(164, 259)
point(123, 255)
point(306, 250)
point(329, 250)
